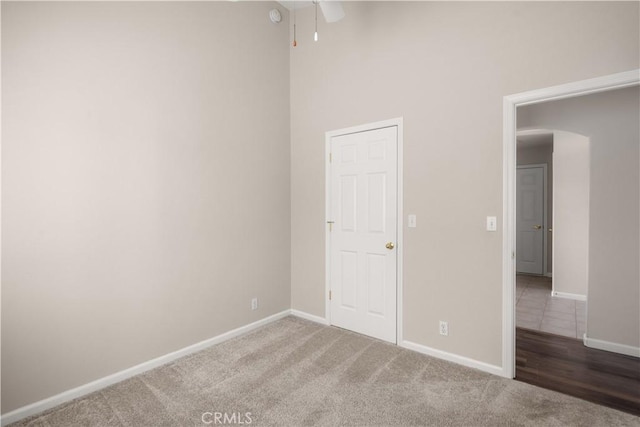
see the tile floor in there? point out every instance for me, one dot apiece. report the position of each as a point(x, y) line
point(537, 309)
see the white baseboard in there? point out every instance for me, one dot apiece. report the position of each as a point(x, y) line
point(48, 403)
point(567, 295)
point(547, 274)
point(450, 357)
point(465, 361)
point(611, 346)
point(101, 383)
point(311, 317)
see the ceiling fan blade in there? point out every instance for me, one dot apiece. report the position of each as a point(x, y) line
point(332, 10)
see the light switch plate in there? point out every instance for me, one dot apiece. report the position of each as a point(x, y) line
point(492, 223)
point(412, 222)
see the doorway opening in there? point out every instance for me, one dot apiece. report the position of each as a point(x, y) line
point(622, 351)
point(511, 103)
point(552, 192)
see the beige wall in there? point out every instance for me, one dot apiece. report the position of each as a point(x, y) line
point(612, 122)
point(537, 155)
point(444, 67)
point(145, 183)
point(151, 188)
point(571, 154)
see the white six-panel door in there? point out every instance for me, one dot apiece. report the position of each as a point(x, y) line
point(530, 195)
point(363, 208)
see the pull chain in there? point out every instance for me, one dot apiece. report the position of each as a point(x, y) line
point(315, 35)
point(295, 43)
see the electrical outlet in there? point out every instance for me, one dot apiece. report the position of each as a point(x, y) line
point(254, 304)
point(444, 328)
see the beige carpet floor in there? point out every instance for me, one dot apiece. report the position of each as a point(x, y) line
point(297, 373)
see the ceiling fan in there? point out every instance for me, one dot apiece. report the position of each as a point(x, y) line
point(331, 9)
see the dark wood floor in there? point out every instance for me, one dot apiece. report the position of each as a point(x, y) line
point(568, 366)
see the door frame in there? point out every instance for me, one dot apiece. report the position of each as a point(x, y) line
point(510, 103)
point(545, 220)
point(398, 122)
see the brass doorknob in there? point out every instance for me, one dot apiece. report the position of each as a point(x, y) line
point(537, 227)
point(390, 245)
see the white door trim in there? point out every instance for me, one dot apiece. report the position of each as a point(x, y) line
point(510, 103)
point(545, 220)
point(398, 122)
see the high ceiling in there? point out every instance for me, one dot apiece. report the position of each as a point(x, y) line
point(296, 4)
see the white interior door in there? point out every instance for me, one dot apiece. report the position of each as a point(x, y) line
point(363, 208)
point(530, 193)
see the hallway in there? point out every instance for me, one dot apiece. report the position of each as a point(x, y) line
point(536, 309)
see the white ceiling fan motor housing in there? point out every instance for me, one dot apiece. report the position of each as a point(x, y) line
point(332, 10)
